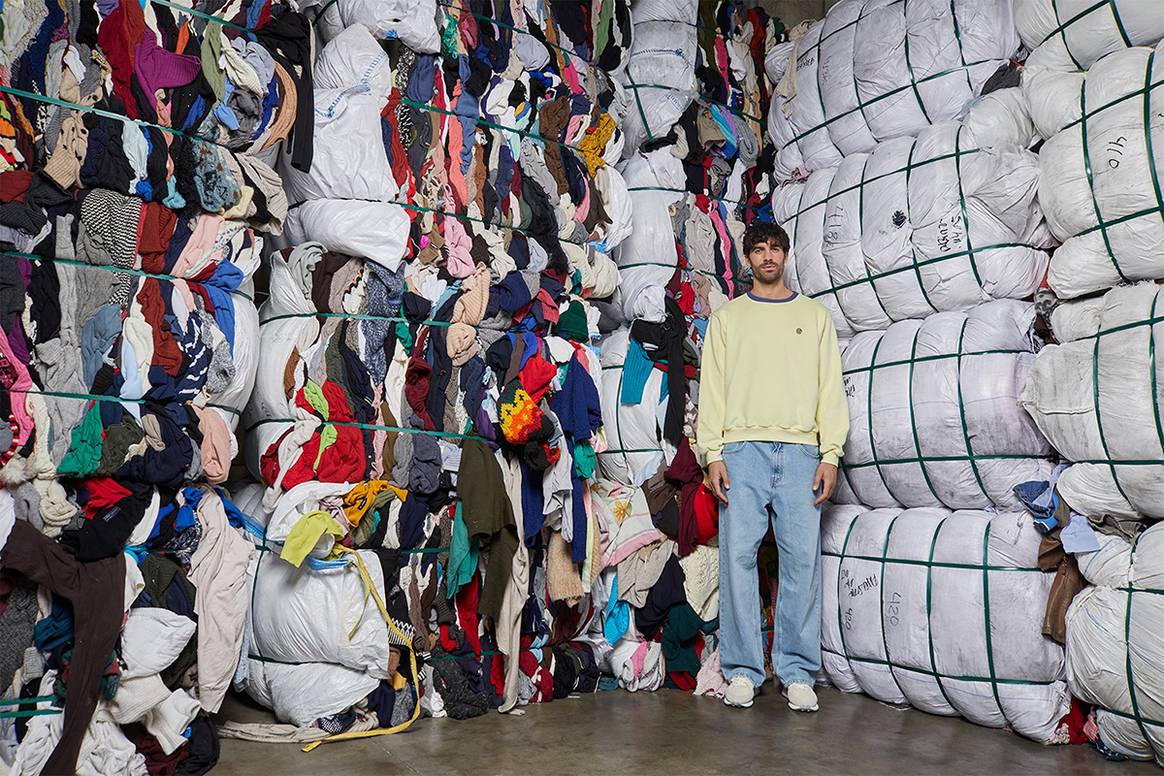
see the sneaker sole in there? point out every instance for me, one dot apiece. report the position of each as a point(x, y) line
point(732, 705)
point(804, 709)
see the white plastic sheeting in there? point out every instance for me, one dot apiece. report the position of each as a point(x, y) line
point(1115, 642)
point(1097, 398)
point(411, 21)
point(661, 68)
point(943, 222)
point(874, 70)
point(934, 413)
point(1101, 169)
point(345, 200)
point(647, 258)
point(943, 611)
point(634, 432)
point(1073, 34)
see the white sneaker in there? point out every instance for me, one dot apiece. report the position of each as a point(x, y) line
point(801, 697)
point(740, 692)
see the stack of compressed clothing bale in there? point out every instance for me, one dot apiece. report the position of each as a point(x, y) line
point(427, 389)
point(695, 166)
point(1094, 82)
point(914, 220)
point(134, 199)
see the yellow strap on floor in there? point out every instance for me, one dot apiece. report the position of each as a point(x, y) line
point(371, 587)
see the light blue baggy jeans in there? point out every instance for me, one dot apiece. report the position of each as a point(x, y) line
point(779, 476)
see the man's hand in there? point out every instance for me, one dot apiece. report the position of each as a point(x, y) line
point(718, 476)
point(825, 481)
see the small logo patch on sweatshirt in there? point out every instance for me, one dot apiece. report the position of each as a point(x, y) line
point(799, 331)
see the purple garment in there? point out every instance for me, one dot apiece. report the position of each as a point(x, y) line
point(157, 68)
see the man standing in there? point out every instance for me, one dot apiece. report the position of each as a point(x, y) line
point(772, 424)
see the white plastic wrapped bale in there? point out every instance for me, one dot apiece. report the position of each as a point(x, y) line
point(1096, 397)
point(944, 222)
point(1101, 169)
point(411, 21)
point(661, 69)
point(634, 432)
point(873, 70)
point(935, 419)
point(316, 642)
point(943, 611)
point(345, 200)
point(647, 258)
point(1115, 652)
point(1074, 34)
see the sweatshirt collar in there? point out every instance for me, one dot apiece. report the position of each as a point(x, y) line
point(755, 298)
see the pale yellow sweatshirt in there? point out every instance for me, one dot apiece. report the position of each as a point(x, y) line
point(771, 372)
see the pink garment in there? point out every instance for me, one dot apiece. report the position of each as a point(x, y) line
point(200, 250)
point(215, 449)
point(639, 657)
point(710, 679)
point(570, 76)
point(24, 423)
point(458, 243)
point(583, 208)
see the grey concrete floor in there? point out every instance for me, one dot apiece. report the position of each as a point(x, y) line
point(670, 732)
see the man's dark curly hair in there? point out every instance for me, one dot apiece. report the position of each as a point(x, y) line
point(764, 232)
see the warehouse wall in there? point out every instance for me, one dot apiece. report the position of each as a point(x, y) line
point(793, 12)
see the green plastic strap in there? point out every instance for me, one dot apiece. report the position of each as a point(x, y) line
point(1128, 644)
point(102, 398)
point(985, 457)
point(961, 51)
point(108, 268)
point(445, 213)
point(697, 97)
point(965, 209)
point(840, 611)
point(354, 317)
point(869, 422)
point(1099, 418)
point(930, 613)
point(962, 413)
point(986, 618)
point(638, 103)
point(909, 219)
point(881, 598)
point(856, 86)
point(931, 563)
point(1061, 29)
point(201, 15)
point(1153, 173)
point(29, 713)
point(486, 123)
point(861, 225)
point(951, 677)
point(625, 450)
point(1091, 180)
point(1152, 378)
point(107, 114)
point(371, 427)
point(913, 422)
point(665, 265)
point(22, 701)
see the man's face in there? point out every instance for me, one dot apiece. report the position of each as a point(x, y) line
point(767, 262)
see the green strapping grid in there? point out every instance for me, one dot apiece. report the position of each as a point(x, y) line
point(861, 223)
point(1061, 29)
point(1128, 643)
point(103, 398)
point(37, 258)
point(869, 423)
point(109, 115)
point(909, 220)
point(354, 317)
point(368, 427)
point(985, 567)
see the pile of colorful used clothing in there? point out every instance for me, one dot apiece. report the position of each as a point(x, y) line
point(133, 196)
